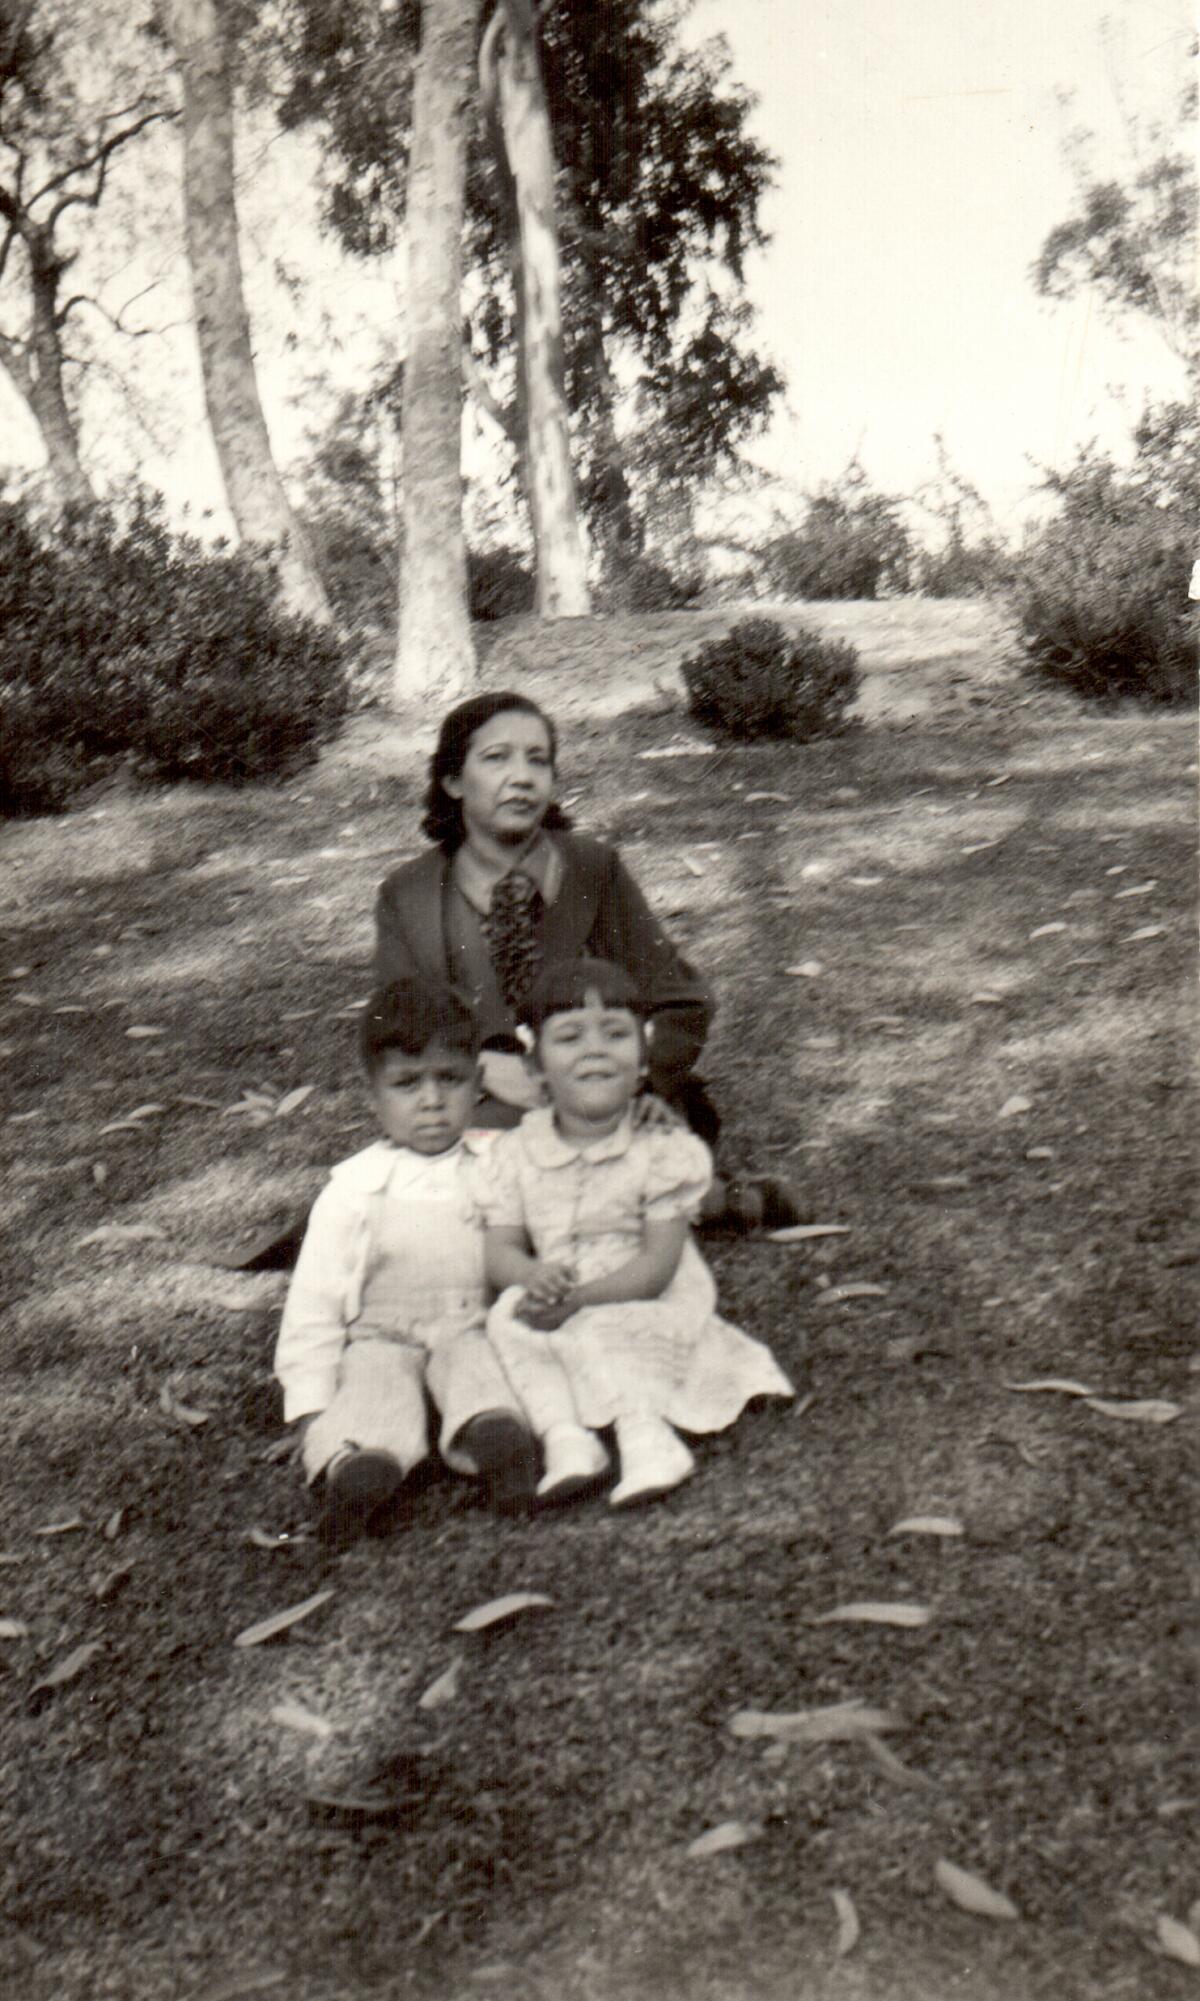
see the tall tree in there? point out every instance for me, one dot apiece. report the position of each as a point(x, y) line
point(435, 653)
point(515, 100)
point(60, 143)
point(252, 484)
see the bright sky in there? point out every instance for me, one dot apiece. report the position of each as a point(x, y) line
point(920, 144)
point(921, 150)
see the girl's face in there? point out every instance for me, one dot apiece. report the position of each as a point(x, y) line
point(425, 1102)
point(507, 778)
point(592, 1058)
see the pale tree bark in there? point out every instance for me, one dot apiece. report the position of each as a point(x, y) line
point(435, 655)
point(253, 488)
point(34, 365)
point(562, 590)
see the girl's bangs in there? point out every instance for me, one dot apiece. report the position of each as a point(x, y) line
point(565, 986)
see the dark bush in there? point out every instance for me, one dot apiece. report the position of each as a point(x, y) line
point(651, 586)
point(761, 681)
point(120, 641)
point(1100, 595)
point(851, 544)
point(499, 582)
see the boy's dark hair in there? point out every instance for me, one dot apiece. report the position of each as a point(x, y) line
point(443, 820)
point(410, 1014)
point(567, 983)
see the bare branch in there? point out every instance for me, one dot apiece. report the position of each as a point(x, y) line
point(99, 158)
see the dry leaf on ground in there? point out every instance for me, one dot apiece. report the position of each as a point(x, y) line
point(799, 1233)
point(71, 1665)
point(123, 1233)
point(1178, 1941)
point(896, 1769)
point(13, 1629)
point(848, 1925)
point(67, 1526)
point(444, 1689)
point(292, 1100)
point(1045, 931)
point(294, 1716)
point(183, 1413)
point(1136, 889)
point(808, 969)
point(837, 1293)
point(983, 999)
point(114, 1525)
point(730, 1834)
point(1147, 931)
point(875, 1612)
point(1141, 1410)
point(927, 1525)
point(1014, 1106)
point(1065, 1385)
point(281, 1622)
point(140, 1033)
point(836, 1723)
point(971, 1893)
point(498, 1609)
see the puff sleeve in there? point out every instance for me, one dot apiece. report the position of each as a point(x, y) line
point(678, 1173)
point(497, 1197)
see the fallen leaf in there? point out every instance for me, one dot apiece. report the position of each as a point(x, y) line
point(948, 1181)
point(1013, 1107)
point(294, 1716)
point(808, 969)
point(280, 1622)
point(173, 1406)
point(971, 1893)
point(19, 973)
point(1044, 930)
point(1178, 1941)
point(752, 799)
point(837, 1293)
point(870, 1612)
point(29, 1000)
point(1137, 889)
point(895, 1767)
point(694, 867)
point(444, 1689)
point(1122, 868)
point(837, 1722)
point(1002, 780)
point(1147, 931)
point(279, 1448)
point(822, 1042)
point(9, 1557)
point(985, 999)
point(13, 1629)
point(72, 1008)
point(1039, 1153)
point(107, 1584)
point(292, 1100)
point(123, 1233)
point(865, 881)
point(848, 1925)
point(498, 1609)
point(927, 1525)
point(240, 1985)
point(1145, 1410)
point(201, 1104)
point(806, 1402)
point(99, 1173)
point(140, 1033)
point(730, 1834)
point(799, 1233)
point(114, 1525)
point(1065, 1385)
point(266, 1538)
point(977, 847)
point(71, 1665)
point(66, 1527)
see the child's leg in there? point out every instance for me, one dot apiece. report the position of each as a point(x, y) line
point(370, 1437)
point(484, 1432)
point(574, 1456)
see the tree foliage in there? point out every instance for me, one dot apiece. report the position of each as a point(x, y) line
point(852, 543)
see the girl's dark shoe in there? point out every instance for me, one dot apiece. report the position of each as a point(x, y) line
point(505, 1459)
point(764, 1204)
point(357, 1485)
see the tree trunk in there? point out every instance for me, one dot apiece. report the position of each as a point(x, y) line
point(562, 590)
point(34, 366)
point(619, 531)
point(435, 656)
point(253, 488)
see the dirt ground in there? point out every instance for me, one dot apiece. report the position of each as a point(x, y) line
point(954, 955)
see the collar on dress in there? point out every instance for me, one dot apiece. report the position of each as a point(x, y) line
point(546, 1146)
point(542, 863)
point(384, 1165)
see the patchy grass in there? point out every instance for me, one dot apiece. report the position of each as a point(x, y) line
point(158, 1844)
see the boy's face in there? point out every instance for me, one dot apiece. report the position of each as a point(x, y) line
point(425, 1102)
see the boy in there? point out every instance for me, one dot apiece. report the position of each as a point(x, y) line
point(388, 1296)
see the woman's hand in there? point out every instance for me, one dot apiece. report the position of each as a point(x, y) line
point(653, 1114)
point(508, 1078)
point(545, 1316)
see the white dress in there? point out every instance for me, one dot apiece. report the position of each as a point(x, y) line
point(585, 1204)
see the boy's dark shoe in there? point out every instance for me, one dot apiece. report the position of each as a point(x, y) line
point(357, 1485)
point(764, 1204)
point(505, 1459)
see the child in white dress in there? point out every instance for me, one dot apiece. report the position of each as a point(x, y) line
point(606, 1313)
point(389, 1295)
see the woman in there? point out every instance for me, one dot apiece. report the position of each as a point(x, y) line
point(506, 888)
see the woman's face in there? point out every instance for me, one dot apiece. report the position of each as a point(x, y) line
point(507, 778)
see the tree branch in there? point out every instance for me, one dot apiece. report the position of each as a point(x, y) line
point(99, 158)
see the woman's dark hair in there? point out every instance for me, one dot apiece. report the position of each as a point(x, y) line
point(443, 821)
point(566, 984)
point(410, 1015)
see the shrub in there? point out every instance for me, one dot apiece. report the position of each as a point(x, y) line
point(1101, 590)
point(760, 681)
point(499, 583)
point(122, 641)
point(852, 544)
